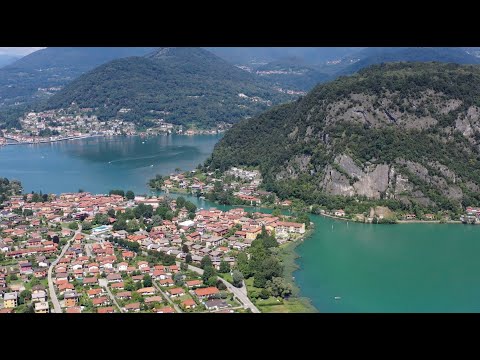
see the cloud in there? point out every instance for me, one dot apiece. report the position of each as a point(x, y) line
point(22, 51)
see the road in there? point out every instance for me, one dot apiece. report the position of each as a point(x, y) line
point(175, 306)
point(104, 283)
point(53, 295)
point(88, 249)
point(241, 293)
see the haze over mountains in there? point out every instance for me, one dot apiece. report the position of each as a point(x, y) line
point(272, 74)
point(52, 68)
point(407, 133)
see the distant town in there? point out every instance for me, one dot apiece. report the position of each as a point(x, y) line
point(78, 123)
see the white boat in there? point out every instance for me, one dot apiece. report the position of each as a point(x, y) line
point(337, 297)
point(151, 165)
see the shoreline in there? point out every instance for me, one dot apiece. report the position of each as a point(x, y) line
point(98, 135)
point(289, 256)
point(186, 192)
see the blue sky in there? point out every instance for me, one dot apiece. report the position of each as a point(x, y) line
point(18, 51)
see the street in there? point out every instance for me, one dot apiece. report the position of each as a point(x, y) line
point(241, 293)
point(175, 306)
point(104, 283)
point(53, 295)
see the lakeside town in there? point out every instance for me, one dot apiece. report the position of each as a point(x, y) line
point(238, 186)
point(77, 123)
point(118, 253)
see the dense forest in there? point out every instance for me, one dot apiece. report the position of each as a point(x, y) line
point(181, 85)
point(8, 188)
point(401, 134)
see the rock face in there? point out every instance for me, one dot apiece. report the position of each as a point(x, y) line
point(405, 132)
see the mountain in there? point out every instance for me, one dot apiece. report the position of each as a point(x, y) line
point(43, 72)
point(377, 55)
point(6, 59)
point(403, 134)
point(292, 74)
point(257, 56)
point(181, 85)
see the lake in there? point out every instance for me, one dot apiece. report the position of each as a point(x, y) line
point(372, 268)
point(100, 164)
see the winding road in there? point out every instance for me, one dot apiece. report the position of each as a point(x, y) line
point(53, 295)
point(241, 293)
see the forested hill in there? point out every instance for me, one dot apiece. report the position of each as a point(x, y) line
point(403, 133)
point(38, 74)
point(181, 85)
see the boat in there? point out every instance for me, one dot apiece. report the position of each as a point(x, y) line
point(337, 297)
point(151, 165)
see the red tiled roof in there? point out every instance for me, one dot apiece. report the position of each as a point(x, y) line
point(206, 291)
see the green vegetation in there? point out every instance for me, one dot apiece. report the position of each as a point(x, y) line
point(277, 138)
point(180, 85)
point(8, 188)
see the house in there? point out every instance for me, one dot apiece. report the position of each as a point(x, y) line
point(65, 286)
point(90, 281)
point(339, 212)
point(134, 307)
point(114, 278)
point(94, 292)
point(146, 291)
point(216, 304)
point(103, 300)
point(193, 283)
point(106, 310)
point(41, 307)
point(118, 285)
point(124, 295)
point(128, 255)
point(74, 310)
point(137, 278)
point(189, 304)
point(206, 292)
point(39, 296)
point(165, 310)
point(25, 268)
point(123, 266)
point(410, 216)
point(153, 299)
point(40, 273)
point(10, 300)
point(70, 298)
point(175, 292)
point(166, 282)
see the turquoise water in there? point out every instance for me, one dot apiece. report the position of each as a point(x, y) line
point(100, 164)
point(373, 268)
point(391, 268)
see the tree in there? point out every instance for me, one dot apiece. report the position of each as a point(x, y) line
point(81, 191)
point(13, 277)
point(224, 267)
point(220, 285)
point(188, 259)
point(243, 264)
point(277, 286)
point(24, 295)
point(206, 262)
point(111, 212)
point(168, 260)
point(130, 195)
point(208, 272)
point(169, 215)
point(73, 226)
point(237, 278)
point(147, 280)
point(34, 282)
point(178, 279)
point(180, 202)
point(86, 225)
point(264, 294)
point(117, 192)
point(27, 212)
point(183, 266)
point(276, 212)
point(185, 249)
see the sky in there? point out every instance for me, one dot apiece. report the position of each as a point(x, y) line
point(18, 51)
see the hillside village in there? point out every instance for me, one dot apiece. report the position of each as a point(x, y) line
point(113, 253)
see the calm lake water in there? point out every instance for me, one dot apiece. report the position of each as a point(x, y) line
point(100, 164)
point(373, 268)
